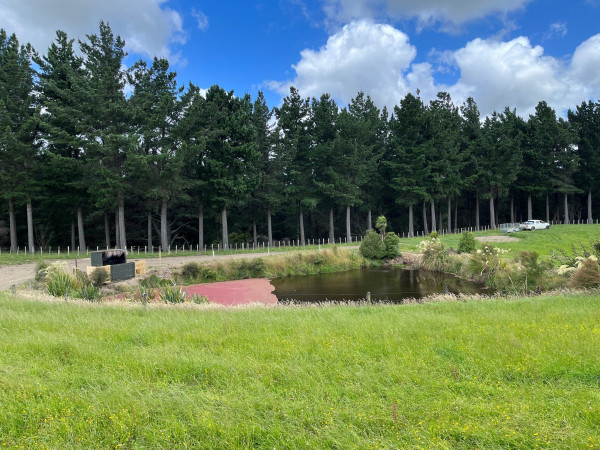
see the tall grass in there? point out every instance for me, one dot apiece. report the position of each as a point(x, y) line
point(494, 374)
point(276, 266)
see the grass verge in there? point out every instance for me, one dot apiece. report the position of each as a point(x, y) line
point(496, 374)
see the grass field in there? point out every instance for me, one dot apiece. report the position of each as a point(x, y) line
point(521, 373)
point(544, 242)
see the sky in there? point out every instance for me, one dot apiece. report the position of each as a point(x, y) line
point(502, 53)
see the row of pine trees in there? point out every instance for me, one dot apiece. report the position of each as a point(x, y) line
point(115, 154)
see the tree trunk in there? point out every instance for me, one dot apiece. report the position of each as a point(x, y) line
point(331, 231)
point(30, 228)
point(13, 227)
point(122, 239)
point(512, 210)
point(566, 209)
point(547, 209)
point(433, 224)
point(73, 235)
point(411, 224)
point(492, 213)
point(425, 226)
point(149, 236)
point(449, 215)
point(589, 207)
point(80, 231)
point(225, 233)
point(164, 237)
point(269, 228)
point(529, 208)
point(200, 226)
point(456, 216)
point(477, 211)
point(369, 221)
point(301, 227)
point(348, 230)
point(106, 230)
point(117, 230)
point(255, 240)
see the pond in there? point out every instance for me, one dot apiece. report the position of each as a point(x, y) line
point(393, 284)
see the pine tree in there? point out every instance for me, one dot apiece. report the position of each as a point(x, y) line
point(19, 126)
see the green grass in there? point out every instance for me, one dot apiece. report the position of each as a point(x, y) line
point(495, 374)
point(544, 242)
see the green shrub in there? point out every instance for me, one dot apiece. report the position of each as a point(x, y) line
point(88, 292)
point(172, 294)
point(99, 277)
point(59, 284)
point(153, 281)
point(190, 271)
point(467, 243)
point(372, 247)
point(434, 235)
point(392, 243)
point(434, 255)
point(40, 271)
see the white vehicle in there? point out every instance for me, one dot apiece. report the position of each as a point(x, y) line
point(535, 225)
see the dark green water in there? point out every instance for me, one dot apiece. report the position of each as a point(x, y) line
point(385, 284)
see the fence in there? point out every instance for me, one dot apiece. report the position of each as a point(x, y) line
point(215, 248)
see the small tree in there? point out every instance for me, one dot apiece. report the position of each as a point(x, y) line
point(467, 242)
point(381, 225)
point(391, 243)
point(372, 247)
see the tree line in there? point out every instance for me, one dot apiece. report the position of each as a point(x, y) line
point(111, 156)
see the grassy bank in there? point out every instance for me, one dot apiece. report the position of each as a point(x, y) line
point(544, 242)
point(494, 374)
point(275, 266)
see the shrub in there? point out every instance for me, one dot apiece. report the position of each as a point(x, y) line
point(59, 284)
point(434, 255)
point(199, 299)
point(587, 274)
point(250, 268)
point(172, 294)
point(88, 292)
point(154, 281)
point(391, 242)
point(190, 271)
point(372, 247)
point(434, 235)
point(467, 243)
point(98, 277)
point(40, 271)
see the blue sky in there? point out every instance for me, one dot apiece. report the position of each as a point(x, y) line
point(501, 52)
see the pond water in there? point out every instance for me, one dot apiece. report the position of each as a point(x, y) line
point(392, 285)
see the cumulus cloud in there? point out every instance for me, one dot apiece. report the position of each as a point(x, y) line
point(147, 28)
point(519, 75)
point(427, 11)
point(379, 60)
point(361, 56)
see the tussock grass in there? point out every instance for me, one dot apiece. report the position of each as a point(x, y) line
point(521, 373)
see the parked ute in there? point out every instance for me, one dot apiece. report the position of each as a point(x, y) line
point(535, 225)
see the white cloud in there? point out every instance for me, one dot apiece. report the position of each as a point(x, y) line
point(379, 60)
point(147, 28)
point(556, 30)
point(427, 11)
point(586, 64)
point(362, 56)
point(515, 74)
point(201, 19)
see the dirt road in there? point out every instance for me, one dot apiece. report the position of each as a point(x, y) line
point(22, 273)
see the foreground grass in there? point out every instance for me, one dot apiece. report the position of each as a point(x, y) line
point(494, 374)
point(544, 242)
